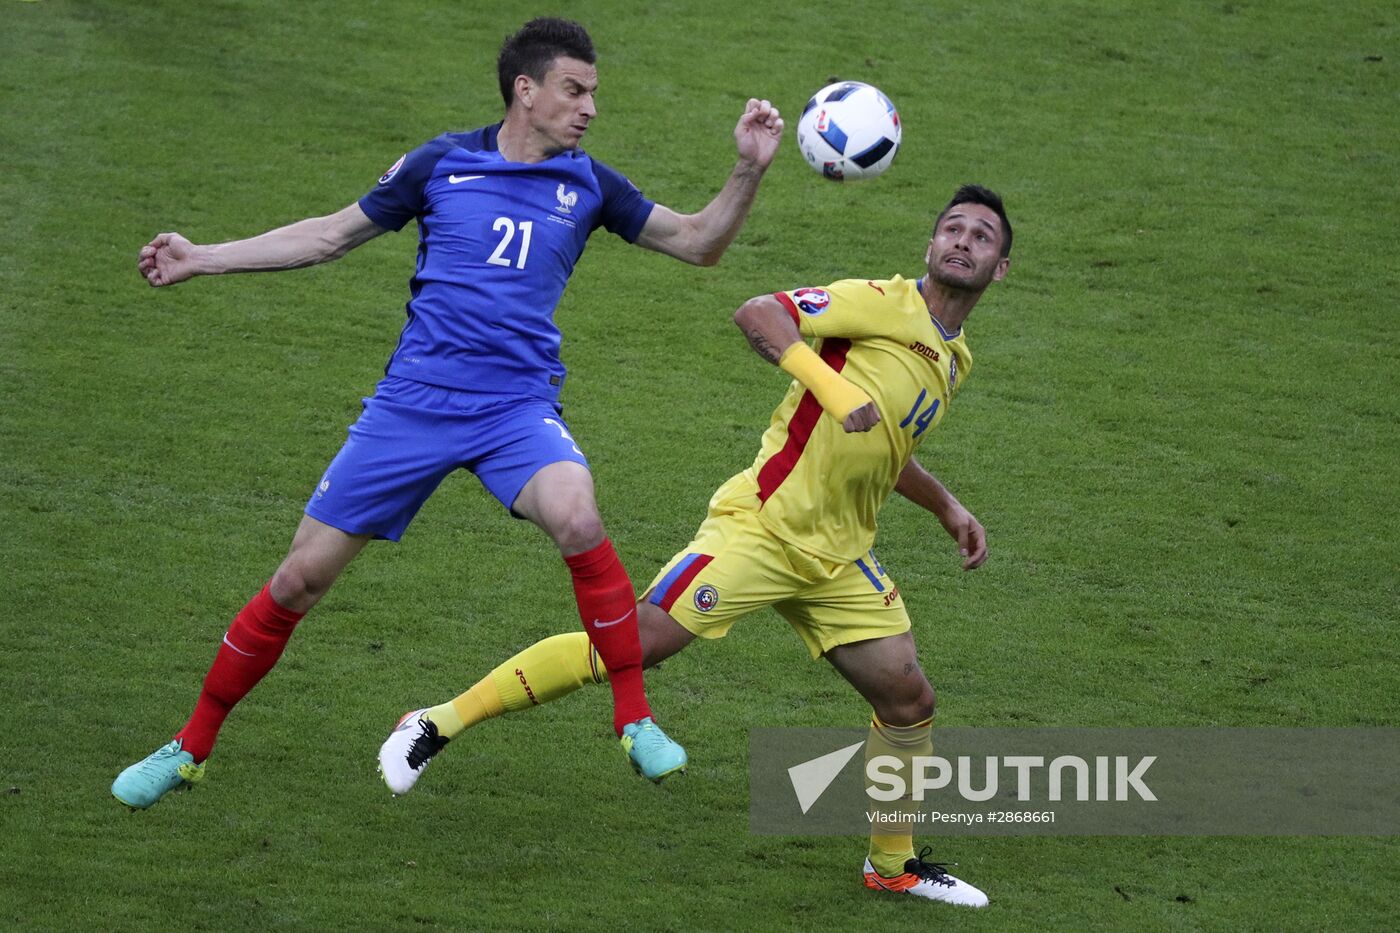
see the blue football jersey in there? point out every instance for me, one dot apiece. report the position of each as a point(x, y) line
point(498, 241)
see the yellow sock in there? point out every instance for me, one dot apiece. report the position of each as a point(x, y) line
point(892, 839)
point(545, 671)
point(478, 704)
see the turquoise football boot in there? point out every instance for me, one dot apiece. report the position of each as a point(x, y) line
point(652, 752)
point(157, 774)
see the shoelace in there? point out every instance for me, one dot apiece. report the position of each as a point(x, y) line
point(426, 745)
point(648, 738)
point(153, 766)
point(929, 871)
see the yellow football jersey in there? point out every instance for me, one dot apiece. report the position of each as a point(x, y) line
point(815, 486)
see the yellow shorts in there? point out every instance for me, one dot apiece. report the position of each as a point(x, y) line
point(735, 566)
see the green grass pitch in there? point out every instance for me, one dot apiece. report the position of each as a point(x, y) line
point(1182, 436)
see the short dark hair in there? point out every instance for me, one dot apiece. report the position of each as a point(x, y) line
point(976, 194)
point(535, 47)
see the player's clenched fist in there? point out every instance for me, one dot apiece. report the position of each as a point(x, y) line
point(759, 131)
point(167, 259)
point(862, 419)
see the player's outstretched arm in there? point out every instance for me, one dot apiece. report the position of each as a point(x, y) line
point(773, 336)
point(702, 238)
point(923, 489)
point(171, 258)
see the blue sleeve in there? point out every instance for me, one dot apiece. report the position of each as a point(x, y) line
point(398, 197)
point(625, 209)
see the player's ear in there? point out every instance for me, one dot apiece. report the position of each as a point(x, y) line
point(999, 272)
point(525, 90)
point(928, 253)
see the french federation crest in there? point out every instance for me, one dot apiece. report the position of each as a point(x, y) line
point(567, 199)
point(812, 301)
point(393, 170)
point(706, 598)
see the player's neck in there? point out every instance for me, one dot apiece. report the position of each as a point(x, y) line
point(518, 142)
point(950, 307)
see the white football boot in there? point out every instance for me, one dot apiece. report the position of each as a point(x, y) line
point(926, 879)
point(407, 751)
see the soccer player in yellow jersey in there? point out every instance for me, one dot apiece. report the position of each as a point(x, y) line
point(795, 530)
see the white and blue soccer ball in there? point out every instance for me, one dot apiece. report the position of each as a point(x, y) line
point(849, 131)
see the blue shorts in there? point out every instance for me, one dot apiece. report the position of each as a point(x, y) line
point(411, 435)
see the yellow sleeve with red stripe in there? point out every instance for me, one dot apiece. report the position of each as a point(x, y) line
point(853, 308)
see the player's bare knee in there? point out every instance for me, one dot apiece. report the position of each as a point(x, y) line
point(288, 588)
point(578, 530)
point(916, 699)
point(906, 704)
point(927, 702)
point(298, 587)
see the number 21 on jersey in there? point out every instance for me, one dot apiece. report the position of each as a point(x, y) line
point(507, 227)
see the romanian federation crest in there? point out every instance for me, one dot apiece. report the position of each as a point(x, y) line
point(706, 598)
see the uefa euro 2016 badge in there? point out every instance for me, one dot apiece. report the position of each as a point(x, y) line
point(812, 301)
point(706, 598)
point(952, 372)
point(393, 170)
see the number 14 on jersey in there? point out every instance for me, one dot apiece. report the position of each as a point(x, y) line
point(921, 419)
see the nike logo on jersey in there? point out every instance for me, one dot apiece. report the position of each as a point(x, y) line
point(458, 179)
point(600, 624)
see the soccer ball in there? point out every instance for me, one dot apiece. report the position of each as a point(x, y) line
point(848, 131)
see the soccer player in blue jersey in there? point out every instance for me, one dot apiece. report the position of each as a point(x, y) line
point(503, 215)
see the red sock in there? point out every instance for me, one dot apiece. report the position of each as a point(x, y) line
point(252, 645)
point(604, 594)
